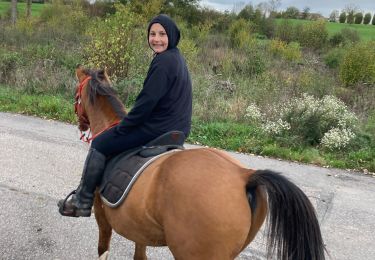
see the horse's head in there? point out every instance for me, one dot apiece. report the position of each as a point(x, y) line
point(83, 77)
point(95, 98)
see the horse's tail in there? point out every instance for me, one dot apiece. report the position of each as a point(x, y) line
point(293, 231)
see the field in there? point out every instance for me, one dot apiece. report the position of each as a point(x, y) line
point(21, 7)
point(366, 32)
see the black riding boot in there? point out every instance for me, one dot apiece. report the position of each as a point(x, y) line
point(82, 199)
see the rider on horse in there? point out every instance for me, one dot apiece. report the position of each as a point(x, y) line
point(164, 104)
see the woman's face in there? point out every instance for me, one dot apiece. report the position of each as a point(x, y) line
point(158, 38)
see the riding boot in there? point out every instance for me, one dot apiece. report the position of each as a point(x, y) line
point(83, 197)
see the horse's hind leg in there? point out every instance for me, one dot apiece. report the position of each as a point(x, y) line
point(140, 252)
point(105, 229)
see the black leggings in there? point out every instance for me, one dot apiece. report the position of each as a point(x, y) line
point(113, 142)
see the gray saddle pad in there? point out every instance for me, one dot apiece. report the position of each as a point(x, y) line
point(120, 175)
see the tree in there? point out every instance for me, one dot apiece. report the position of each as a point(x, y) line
point(247, 12)
point(306, 13)
point(373, 20)
point(351, 9)
point(367, 18)
point(273, 6)
point(342, 17)
point(14, 12)
point(291, 12)
point(28, 9)
point(358, 18)
point(334, 16)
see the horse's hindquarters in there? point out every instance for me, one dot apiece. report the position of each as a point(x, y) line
point(209, 215)
point(194, 201)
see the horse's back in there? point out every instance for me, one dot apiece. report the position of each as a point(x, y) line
point(193, 200)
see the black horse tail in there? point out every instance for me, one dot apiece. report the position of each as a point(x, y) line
point(294, 232)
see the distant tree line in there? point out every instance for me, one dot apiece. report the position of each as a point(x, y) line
point(353, 15)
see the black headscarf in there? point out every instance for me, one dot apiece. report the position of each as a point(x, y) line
point(170, 28)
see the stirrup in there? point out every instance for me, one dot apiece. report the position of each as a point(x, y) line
point(62, 205)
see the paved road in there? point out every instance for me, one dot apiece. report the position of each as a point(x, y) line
point(41, 161)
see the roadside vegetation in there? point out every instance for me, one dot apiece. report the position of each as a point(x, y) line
point(274, 87)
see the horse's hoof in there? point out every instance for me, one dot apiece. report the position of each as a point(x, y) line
point(104, 256)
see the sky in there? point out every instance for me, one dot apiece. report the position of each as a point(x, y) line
point(324, 7)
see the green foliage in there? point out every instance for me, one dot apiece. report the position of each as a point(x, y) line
point(239, 33)
point(350, 17)
point(367, 18)
point(373, 19)
point(9, 61)
point(342, 17)
point(116, 42)
point(46, 106)
point(334, 57)
point(350, 35)
point(291, 13)
point(285, 31)
point(345, 36)
point(60, 18)
point(358, 18)
point(288, 51)
point(357, 65)
point(313, 35)
point(247, 12)
point(312, 120)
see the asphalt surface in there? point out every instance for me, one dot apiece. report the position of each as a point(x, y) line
point(41, 161)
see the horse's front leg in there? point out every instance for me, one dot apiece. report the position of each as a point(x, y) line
point(140, 252)
point(105, 229)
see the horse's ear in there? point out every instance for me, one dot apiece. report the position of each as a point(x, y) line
point(81, 72)
point(106, 75)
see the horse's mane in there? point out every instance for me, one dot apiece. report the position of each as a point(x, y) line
point(100, 85)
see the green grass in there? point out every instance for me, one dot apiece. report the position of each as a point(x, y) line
point(36, 8)
point(366, 32)
point(232, 136)
point(45, 106)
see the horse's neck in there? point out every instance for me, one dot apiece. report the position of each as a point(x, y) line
point(102, 117)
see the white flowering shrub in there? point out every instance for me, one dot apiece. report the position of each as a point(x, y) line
point(253, 113)
point(337, 139)
point(275, 128)
point(311, 121)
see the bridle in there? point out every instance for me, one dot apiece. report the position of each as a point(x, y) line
point(79, 111)
point(81, 114)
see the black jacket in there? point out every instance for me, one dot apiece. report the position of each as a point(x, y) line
point(165, 102)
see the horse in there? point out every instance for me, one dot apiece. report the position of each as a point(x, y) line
point(200, 203)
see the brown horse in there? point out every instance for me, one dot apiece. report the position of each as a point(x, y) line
point(201, 203)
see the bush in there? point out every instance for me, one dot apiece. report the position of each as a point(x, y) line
point(9, 61)
point(337, 39)
point(334, 57)
point(285, 31)
point(116, 43)
point(313, 35)
point(350, 35)
point(239, 33)
point(308, 120)
point(357, 65)
point(291, 52)
point(67, 21)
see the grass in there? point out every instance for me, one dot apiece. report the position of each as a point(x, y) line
point(44, 106)
point(366, 32)
point(239, 137)
point(36, 8)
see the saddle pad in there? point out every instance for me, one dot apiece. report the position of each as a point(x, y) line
point(120, 176)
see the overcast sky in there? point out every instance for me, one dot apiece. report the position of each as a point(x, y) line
point(324, 7)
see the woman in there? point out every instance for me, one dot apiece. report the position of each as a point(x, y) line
point(164, 104)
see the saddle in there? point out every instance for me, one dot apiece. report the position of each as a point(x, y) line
point(123, 170)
